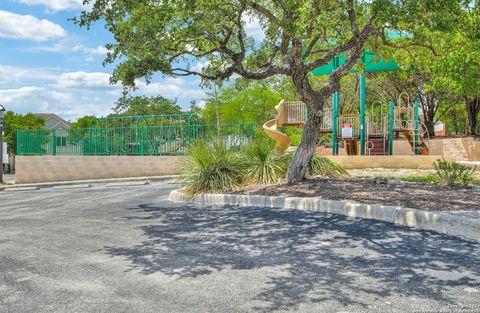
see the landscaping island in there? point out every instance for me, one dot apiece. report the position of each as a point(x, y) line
point(397, 193)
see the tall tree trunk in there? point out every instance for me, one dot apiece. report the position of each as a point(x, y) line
point(429, 115)
point(473, 108)
point(429, 105)
point(315, 102)
point(306, 149)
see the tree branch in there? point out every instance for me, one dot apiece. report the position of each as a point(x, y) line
point(265, 12)
point(386, 42)
point(359, 39)
point(352, 16)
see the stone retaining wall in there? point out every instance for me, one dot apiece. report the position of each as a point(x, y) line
point(453, 149)
point(39, 169)
point(382, 161)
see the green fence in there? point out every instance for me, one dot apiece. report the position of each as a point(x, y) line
point(142, 140)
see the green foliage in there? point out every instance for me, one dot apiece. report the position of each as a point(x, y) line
point(13, 122)
point(83, 122)
point(295, 134)
point(173, 37)
point(428, 178)
point(323, 166)
point(452, 173)
point(243, 102)
point(211, 167)
point(141, 105)
point(263, 164)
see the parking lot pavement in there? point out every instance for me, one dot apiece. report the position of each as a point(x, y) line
point(125, 248)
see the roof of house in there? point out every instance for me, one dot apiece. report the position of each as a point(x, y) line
point(53, 120)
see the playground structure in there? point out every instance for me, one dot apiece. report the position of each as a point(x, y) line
point(380, 129)
point(170, 134)
point(369, 132)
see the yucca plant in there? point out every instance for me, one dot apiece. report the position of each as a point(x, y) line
point(263, 164)
point(211, 167)
point(322, 166)
point(452, 173)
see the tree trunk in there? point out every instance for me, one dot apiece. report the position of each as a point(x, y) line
point(429, 107)
point(315, 102)
point(429, 115)
point(306, 149)
point(473, 108)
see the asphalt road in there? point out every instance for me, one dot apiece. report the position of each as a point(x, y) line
point(127, 249)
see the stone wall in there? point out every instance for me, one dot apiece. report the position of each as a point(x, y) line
point(382, 161)
point(35, 169)
point(453, 149)
point(32, 169)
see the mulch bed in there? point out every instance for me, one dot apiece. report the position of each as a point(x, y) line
point(380, 191)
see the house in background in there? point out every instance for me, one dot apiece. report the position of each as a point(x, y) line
point(53, 121)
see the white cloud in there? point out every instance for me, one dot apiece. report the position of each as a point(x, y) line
point(171, 88)
point(75, 94)
point(253, 28)
point(16, 26)
point(55, 5)
point(85, 80)
point(64, 47)
point(201, 104)
point(33, 99)
point(200, 66)
point(9, 74)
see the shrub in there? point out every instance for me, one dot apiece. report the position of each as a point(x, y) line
point(211, 167)
point(451, 173)
point(263, 164)
point(323, 166)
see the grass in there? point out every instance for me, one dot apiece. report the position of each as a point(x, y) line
point(263, 165)
point(213, 167)
point(432, 179)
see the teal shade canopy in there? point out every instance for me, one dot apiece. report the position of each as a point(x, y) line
point(372, 64)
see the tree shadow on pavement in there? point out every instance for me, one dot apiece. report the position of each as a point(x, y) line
point(321, 257)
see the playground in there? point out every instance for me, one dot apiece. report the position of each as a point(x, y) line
point(376, 133)
point(369, 131)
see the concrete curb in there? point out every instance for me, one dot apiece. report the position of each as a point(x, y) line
point(441, 222)
point(126, 181)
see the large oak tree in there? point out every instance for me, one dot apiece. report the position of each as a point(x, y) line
point(171, 37)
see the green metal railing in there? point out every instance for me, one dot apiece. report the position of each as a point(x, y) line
point(141, 140)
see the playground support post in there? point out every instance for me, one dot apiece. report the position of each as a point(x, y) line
point(335, 112)
point(362, 114)
point(416, 140)
point(391, 125)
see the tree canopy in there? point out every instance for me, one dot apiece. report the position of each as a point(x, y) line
point(141, 105)
point(173, 37)
point(14, 122)
point(82, 122)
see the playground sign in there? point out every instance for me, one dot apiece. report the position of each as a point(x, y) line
point(347, 130)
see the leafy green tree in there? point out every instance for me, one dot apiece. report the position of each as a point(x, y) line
point(243, 102)
point(141, 105)
point(299, 35)
point(83, 122)
point(14, 122)
point(459, 70)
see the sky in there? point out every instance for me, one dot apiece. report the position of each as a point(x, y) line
point(50, 65)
